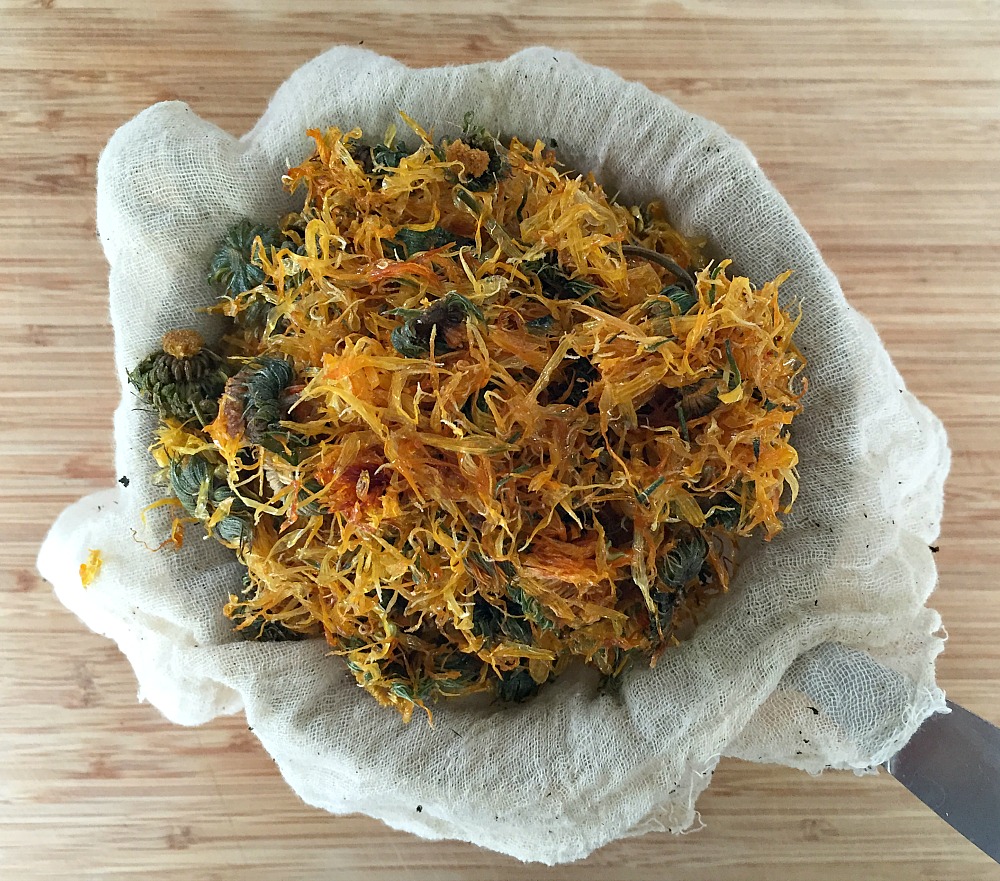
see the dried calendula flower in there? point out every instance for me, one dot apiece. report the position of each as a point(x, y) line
point(257, 398)
point(183, 380)
point(474, 161)
point(233, 268)
point(203, 492)
point(253, 627)
point(488, 421)
point(481, 155)
point(413, 338)
point(91, 567)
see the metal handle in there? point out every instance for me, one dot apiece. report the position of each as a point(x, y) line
point(952, 764)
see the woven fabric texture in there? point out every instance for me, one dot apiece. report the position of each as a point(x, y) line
point(820, 656)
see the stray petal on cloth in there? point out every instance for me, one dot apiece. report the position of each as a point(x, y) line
point(822, 655)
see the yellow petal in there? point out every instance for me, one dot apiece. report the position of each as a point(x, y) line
point(90, 569)
point(732, 396)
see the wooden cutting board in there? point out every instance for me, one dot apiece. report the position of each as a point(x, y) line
point(880, 123)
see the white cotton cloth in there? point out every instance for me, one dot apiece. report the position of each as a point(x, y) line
point(820, 656)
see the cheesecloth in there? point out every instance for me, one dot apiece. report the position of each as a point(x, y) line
point(821, 655)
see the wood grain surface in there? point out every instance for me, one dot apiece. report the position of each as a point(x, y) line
point(878, 121)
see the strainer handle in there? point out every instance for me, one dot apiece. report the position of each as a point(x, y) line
point(952, 764)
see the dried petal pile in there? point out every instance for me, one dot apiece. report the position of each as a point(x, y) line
point(478, 419)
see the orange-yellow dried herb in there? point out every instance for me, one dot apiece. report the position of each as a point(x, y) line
point(483, 420)
point(91, 567)
point(182, 344)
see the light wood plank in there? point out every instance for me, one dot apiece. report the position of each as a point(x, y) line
point(878, 121)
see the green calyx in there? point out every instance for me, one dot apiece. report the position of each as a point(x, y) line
point(408, 242)
point(681, 566)
point(412, 339)
point(181, 386)
point(557, 284)
point(256, 397)
point(232, 269)
point(202, 488)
